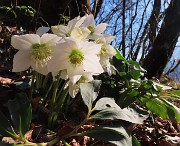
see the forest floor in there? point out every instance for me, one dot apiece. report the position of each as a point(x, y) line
point(154, 131)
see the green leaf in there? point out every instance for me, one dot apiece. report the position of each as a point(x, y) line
point(115, 135)
point(128, 97)
point(89, 92)
point(133, 115)
point(135, 142)
point(135, 74)
point(104, 103)
point(6, 128)
point(21, 112)
point(121, 74)
point(162, 108)
point(119, 56)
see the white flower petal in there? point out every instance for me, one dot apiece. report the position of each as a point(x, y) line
point(42, 30)
point(24, 42)
point(72, 42)
point(21, 61)
point(100, 28)
point(89, 21)
point(75, 70)
point(91, 64)
point(51, 39)
point(56, 64)
point(108, 38)
point(60, 30)
point(90, 47)
point(110, 50)
point(74, 78)
point(77, 33)
point(39, 68)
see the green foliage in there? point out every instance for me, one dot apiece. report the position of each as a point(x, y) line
point(20, 113)
point(20, 16)
point(144, 91)
point(162, 108)
point(116, 135)
point(106, 109)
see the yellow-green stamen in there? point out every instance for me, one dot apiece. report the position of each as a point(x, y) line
point(41, 53)
point(76, 57)
point(91, 29)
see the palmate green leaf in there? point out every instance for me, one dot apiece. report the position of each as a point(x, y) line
point(162, 108)
point(21, 112)
point(6, 128)
point(89, 92)
point(133, 115)
point(116, 135)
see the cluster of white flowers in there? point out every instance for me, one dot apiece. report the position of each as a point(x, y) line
point(78, 51)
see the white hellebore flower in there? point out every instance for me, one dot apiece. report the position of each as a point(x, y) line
point(72, 29)
point(34, 51)
point(77, 57)
point(96, 31)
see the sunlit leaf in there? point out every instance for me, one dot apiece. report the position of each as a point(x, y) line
point(162, 108)
point(89, 92)
point(104, 103)
point(118, 55)
point(133, 115)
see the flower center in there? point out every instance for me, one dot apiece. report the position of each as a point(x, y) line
point(91, 29)
point(76, 57)
point(41, 53)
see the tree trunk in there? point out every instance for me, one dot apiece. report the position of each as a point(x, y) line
point(165, 42)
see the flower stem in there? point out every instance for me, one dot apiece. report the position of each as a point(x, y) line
point(32, 85)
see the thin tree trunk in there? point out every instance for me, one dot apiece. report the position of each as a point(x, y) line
point(165, 42)
point(123, 28)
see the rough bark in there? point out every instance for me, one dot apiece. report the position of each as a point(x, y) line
point(165, 42)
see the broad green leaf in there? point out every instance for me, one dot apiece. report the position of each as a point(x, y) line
point(135, 74)
point(162, 108)
point(119, 56)
point(133, 115)
point(128, 97)
point(104, 103)
point(115, 135)
point(133, 63)
point(121, 74)
point(20, 111)
point(6, 129)
point(89, 92)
